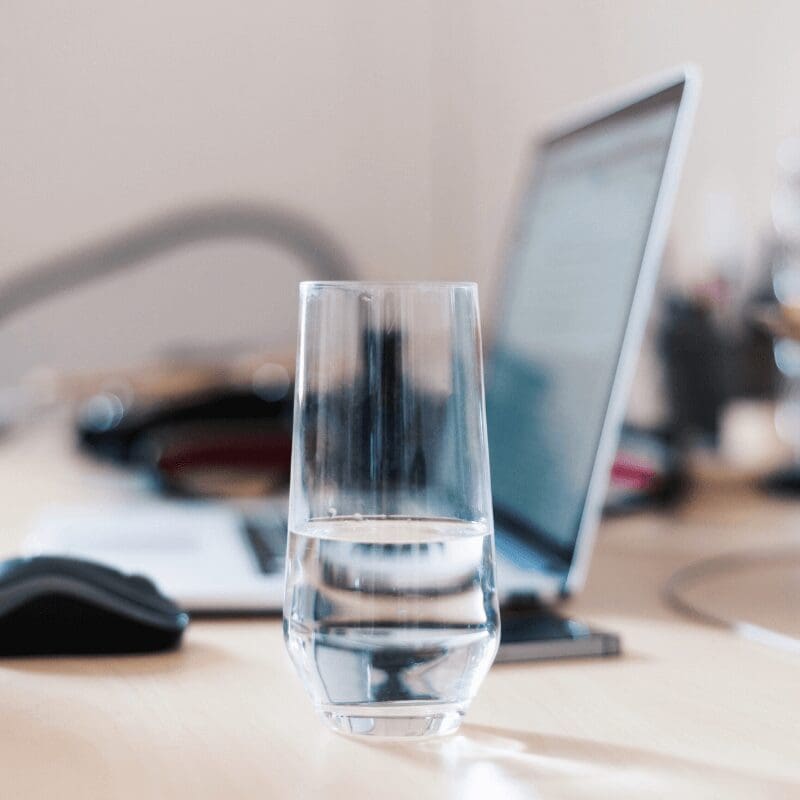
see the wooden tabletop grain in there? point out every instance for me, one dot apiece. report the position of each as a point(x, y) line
point(687, 711)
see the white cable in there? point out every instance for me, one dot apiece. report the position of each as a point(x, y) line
point(727, 563)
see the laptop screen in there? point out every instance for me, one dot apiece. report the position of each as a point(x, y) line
point(573, 266)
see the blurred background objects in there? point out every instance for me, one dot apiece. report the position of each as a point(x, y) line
point(397, 127)
point(395, 132)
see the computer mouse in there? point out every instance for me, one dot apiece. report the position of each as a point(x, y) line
point(52, 605)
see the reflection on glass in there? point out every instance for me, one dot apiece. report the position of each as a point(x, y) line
point(391, 612)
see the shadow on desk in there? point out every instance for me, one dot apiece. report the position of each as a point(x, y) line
point(488, 761)
point(191, 657)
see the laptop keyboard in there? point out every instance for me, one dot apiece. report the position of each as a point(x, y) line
point(266, 536)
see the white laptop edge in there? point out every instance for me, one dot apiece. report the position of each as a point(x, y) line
point(642, 298)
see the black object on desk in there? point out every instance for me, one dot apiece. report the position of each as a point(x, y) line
point(65, 606)
point(226, 442)
point(532, 631)
point(119, 438)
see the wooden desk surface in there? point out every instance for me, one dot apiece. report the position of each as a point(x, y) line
point(688, 711)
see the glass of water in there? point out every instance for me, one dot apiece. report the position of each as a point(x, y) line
point(390, 614)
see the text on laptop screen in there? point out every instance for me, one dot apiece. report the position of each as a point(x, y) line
point(574, 263)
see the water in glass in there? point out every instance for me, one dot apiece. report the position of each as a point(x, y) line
point(392, 622)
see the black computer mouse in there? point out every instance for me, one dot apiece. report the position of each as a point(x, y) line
point(66, 606)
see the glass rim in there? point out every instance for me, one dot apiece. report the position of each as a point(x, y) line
point(356, 285)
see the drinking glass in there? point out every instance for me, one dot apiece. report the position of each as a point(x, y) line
point(390, 613)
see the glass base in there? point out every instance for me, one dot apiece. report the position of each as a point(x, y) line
point(399, 723)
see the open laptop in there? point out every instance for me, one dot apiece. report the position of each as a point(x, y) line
point(576, 288)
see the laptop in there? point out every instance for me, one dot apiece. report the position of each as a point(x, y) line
point(577, 284)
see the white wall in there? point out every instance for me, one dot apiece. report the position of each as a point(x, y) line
point(114, 111)
point(399, 126)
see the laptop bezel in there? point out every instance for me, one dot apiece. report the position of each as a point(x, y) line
point(686, 78)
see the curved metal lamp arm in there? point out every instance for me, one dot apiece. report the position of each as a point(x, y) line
point(128, 248)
